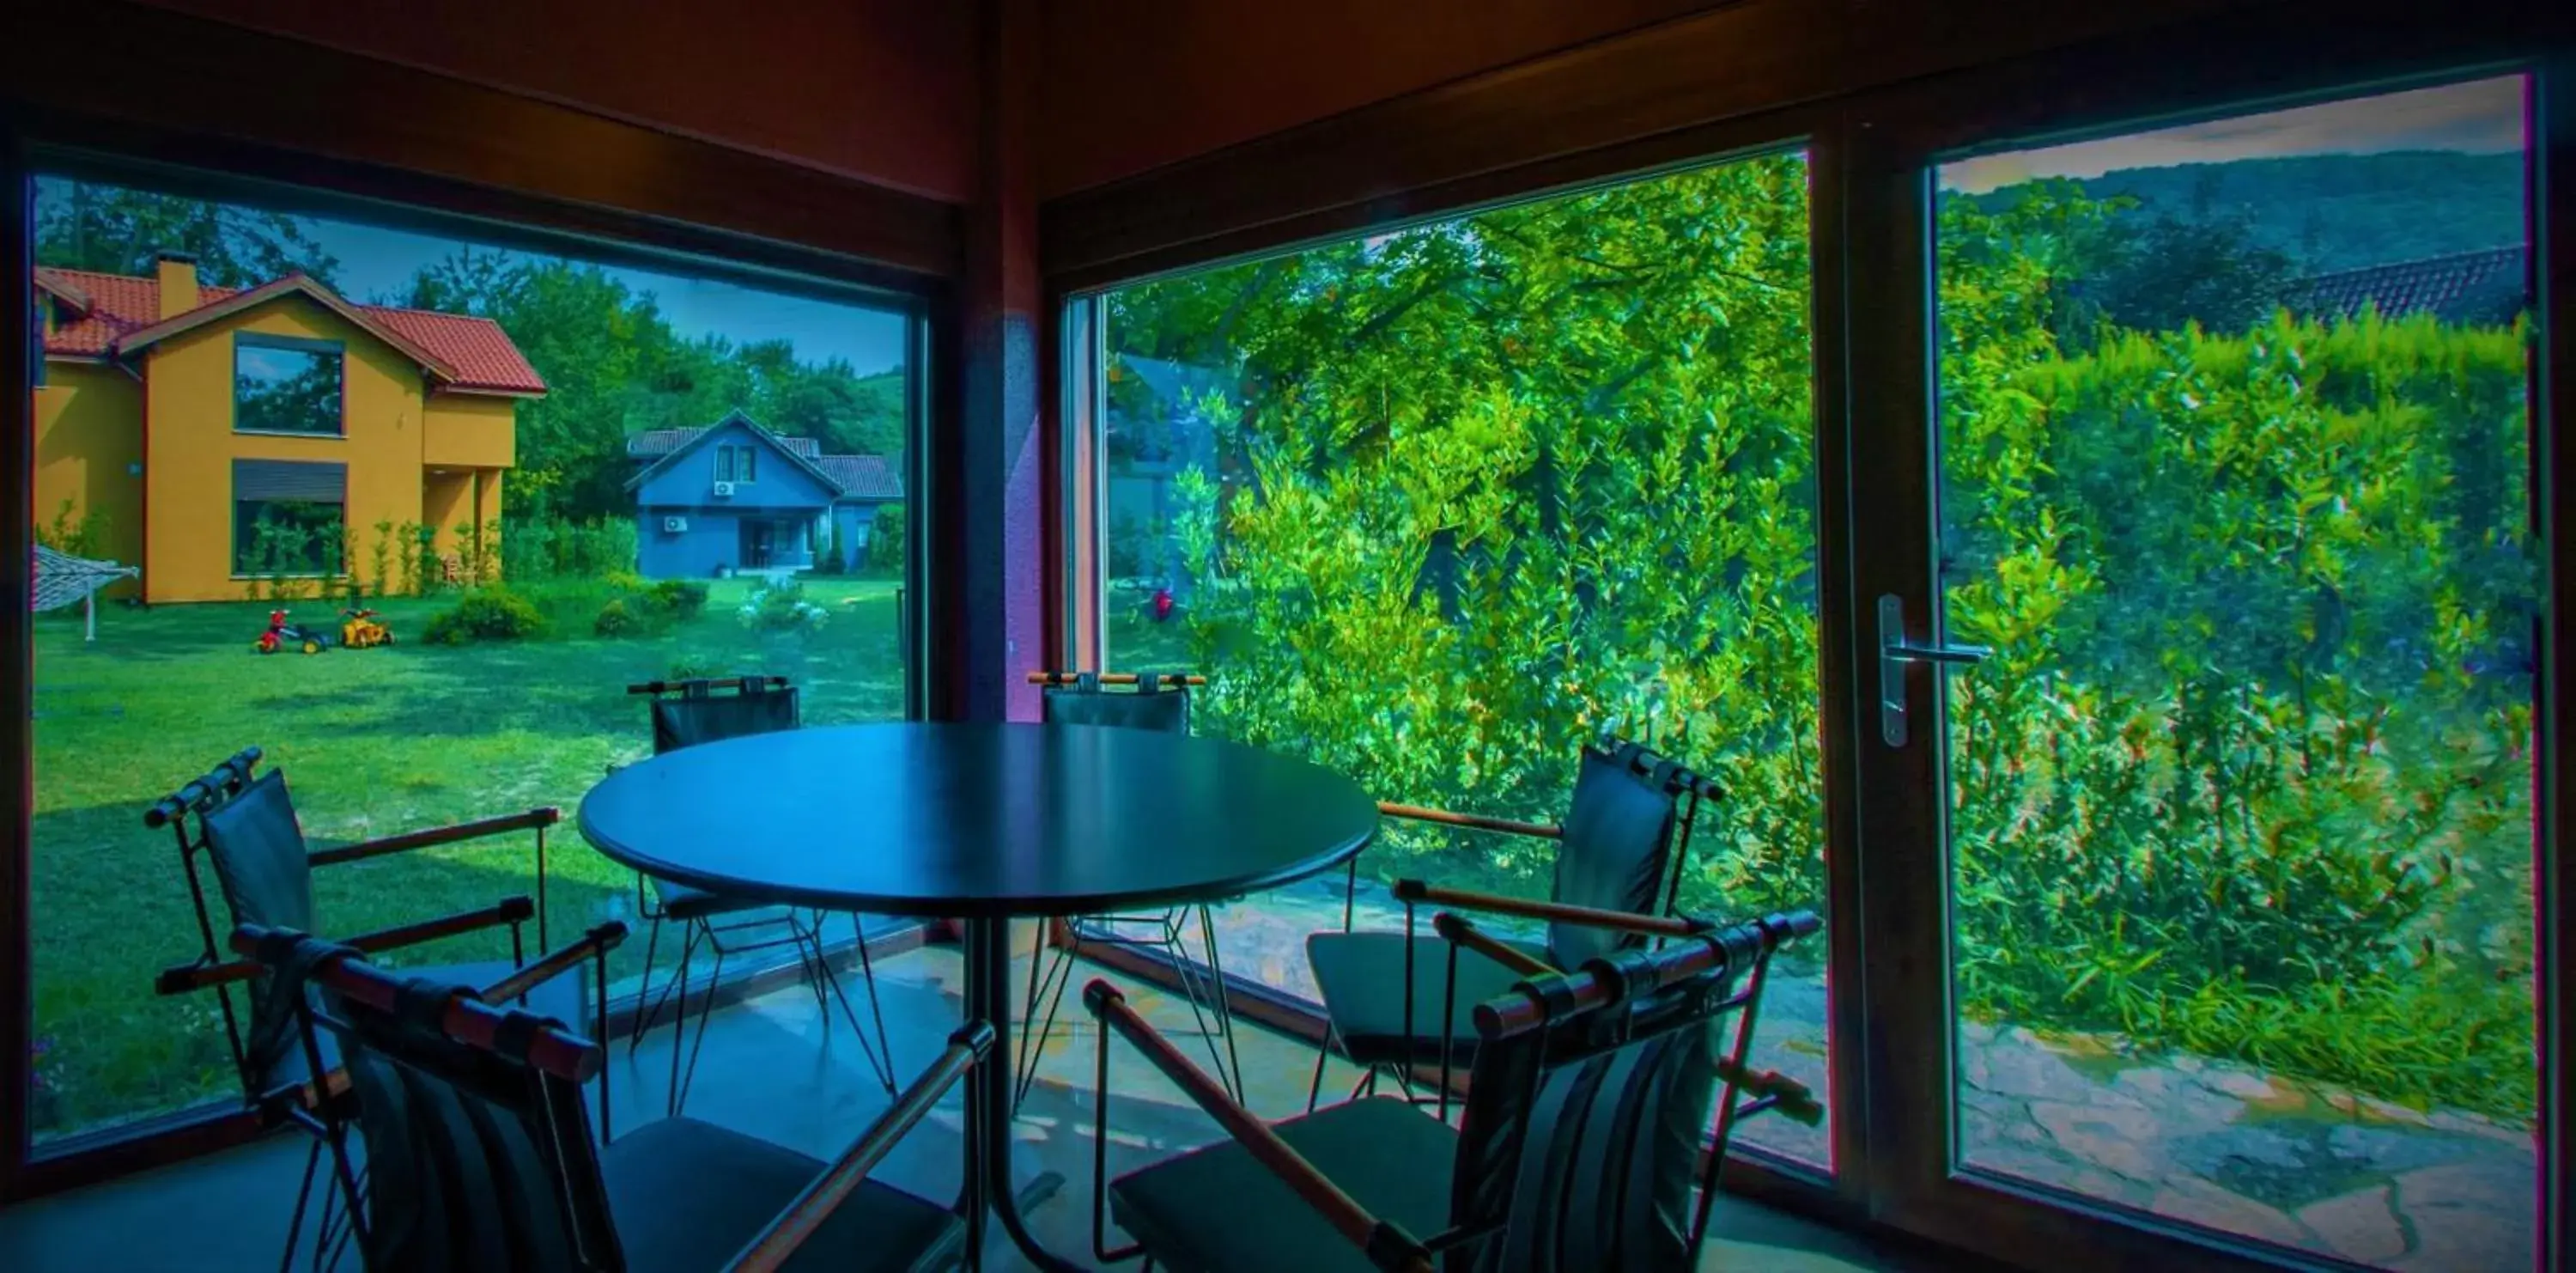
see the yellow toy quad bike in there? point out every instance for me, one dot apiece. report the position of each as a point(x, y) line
point(361, 628)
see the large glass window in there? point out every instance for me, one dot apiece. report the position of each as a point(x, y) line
point(518, 492)
point(2234, 460)
point(284, 385)
point(1438, 507)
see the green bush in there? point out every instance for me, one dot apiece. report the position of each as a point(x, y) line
point(885, 538)
point(491, 613)
point(615, 620)
point(782, 607)
point(2249, 772)
point(684, 598)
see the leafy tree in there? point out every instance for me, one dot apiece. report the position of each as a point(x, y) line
point(614, 366)
point(1456, 500)
point(86, 226)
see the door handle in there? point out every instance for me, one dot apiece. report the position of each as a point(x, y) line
point(1894, 652)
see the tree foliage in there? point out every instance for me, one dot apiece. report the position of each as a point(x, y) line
point(615, 366)
point(2249, 772)
point(115, 230)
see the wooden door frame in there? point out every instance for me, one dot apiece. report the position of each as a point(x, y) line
point(1897, 136)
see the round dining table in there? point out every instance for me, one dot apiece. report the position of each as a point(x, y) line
point(981, 823)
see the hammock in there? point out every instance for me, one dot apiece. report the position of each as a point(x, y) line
point(61, 579)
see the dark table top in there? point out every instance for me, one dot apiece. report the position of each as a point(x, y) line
point(978, 820)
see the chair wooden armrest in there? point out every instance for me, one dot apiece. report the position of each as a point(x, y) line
point(1423, 894)
point(1467, 936)
point(199, 974)
point(590, 945)
point(1108, 678)
point(538, 818)
point(777, 1243)
point(1312, 1187)
point(1471, 821)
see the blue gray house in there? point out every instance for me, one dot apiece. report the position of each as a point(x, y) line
point(736, 497)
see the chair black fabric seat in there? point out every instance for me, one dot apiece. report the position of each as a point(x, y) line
point(1361, 976)
point(688, 1195)
point(1217, 1208)
point(679, 901)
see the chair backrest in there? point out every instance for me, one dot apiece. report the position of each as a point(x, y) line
point(476, 1158)
point(1159, 703)
point(1624, 833)
point(1580, 1144)
point(687, 713)
point(265, 874)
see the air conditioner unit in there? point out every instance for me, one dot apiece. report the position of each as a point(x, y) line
point(724, 490)
point(674, 525)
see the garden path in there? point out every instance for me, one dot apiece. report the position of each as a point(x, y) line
point(2188, 1138)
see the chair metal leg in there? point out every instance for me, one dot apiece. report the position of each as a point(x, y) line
point(303, 1196)
point(1050, 975)
point(1233, 1065)
point(698, 1038)
point(647, 1007)
point(825, 980)
point(1315, 1086)
point(876, 1011)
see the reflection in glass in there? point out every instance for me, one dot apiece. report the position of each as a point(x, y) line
point(2234, 443)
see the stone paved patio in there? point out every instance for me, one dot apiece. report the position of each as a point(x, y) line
point(2200, 1141)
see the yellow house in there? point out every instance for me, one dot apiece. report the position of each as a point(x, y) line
point(222, 438)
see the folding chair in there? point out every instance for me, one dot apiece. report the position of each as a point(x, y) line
point(687, 714)
point(1160, 703)
point(242, 824)
point(1579, 1148)
point(482, 1151)
point(1621, 848)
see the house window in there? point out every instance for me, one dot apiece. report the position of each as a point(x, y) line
point(746, 468)
point(285, 385)
point(288, 518)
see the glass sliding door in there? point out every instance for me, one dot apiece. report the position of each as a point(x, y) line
point(1439, 506)
point(2232, 494)
point(546, 477)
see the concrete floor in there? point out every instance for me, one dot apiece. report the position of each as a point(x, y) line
point(771, 1068)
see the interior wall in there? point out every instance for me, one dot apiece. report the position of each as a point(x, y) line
point(1134, 84)
point(881, 90)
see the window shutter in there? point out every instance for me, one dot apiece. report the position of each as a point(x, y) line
point(314, 482)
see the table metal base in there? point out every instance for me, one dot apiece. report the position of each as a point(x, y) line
point(989, 1103)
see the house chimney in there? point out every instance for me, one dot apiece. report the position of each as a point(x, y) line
point(177, 274)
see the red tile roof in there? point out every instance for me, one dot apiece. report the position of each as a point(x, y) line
point(476, 349)
point(2486, 286)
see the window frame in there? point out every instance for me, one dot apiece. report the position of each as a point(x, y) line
point(713, 212)
point(336, 351)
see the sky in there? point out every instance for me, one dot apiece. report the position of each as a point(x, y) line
point(2480, 116)
point(377, 264)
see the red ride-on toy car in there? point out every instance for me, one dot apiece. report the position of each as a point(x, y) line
point(283, 635)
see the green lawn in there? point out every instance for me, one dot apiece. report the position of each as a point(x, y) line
point(373, 742)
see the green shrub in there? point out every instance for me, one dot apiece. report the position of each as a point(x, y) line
point(685, 599)
point(615, 620)
point(782, 607)
point(486, 614)
point(885, 538)
point(2249, 772)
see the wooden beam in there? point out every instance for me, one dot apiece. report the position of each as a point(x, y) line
point(305, 113)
